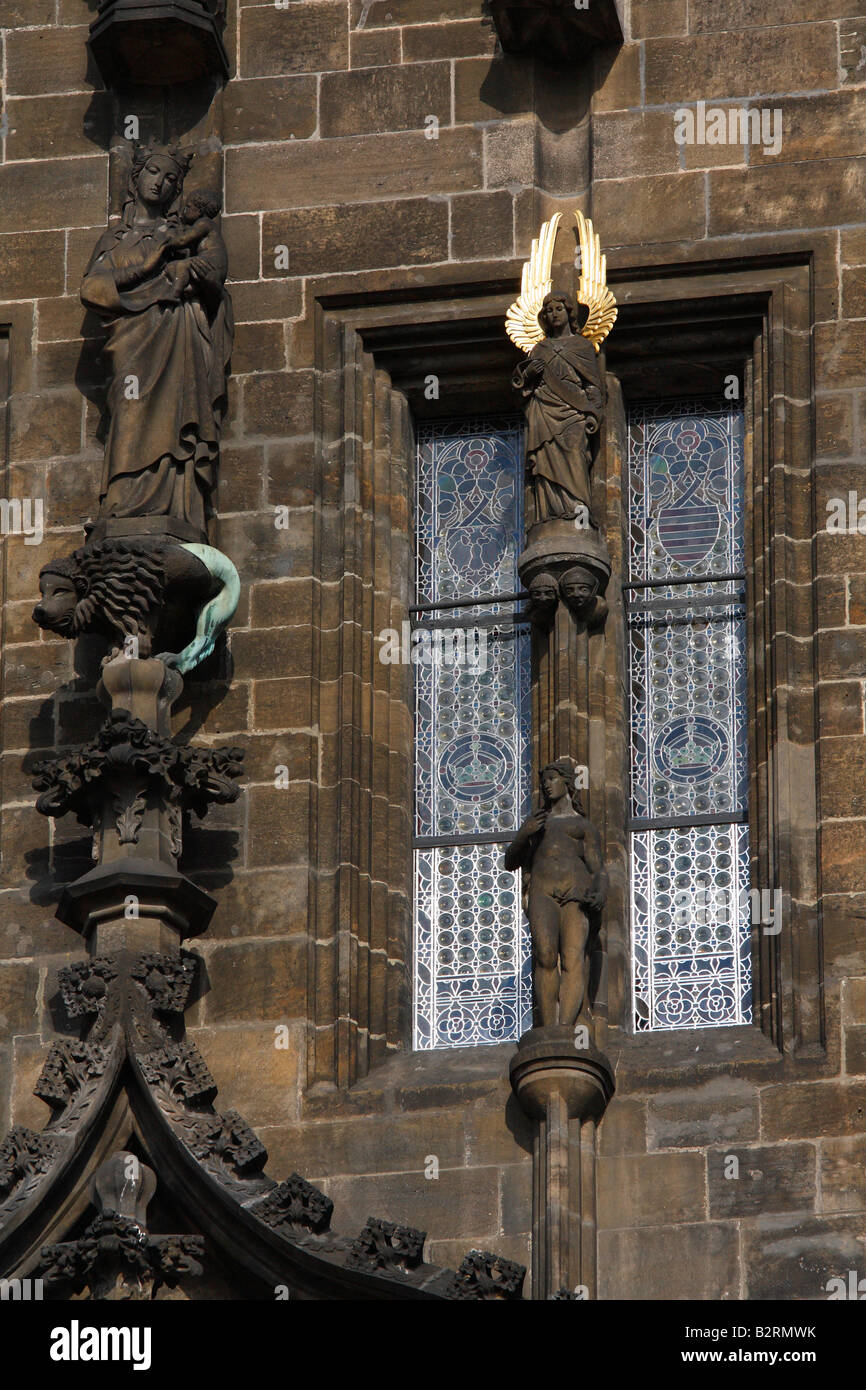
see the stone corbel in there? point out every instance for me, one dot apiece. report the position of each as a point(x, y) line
point(557, 31)
point(158, 42)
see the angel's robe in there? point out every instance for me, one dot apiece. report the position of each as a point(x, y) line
point(562, 422)
point(168, 353)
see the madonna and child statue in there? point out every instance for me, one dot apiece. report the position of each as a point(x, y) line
point(146, 571)
point(157, 281)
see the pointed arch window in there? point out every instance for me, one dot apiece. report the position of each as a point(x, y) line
point(471, 658)
point(689, 834)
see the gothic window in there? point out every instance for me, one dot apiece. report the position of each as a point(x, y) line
point(689, 845)
point(471, 660)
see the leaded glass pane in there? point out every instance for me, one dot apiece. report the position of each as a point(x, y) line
point(472, 722)
point(687, 666)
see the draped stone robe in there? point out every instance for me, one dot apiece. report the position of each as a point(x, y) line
point(563, 414)
point(168, 351)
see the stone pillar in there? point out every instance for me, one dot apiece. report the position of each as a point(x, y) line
point(565, 1091)
point(135, 899)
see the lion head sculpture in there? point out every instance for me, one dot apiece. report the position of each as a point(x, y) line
point(113, 587)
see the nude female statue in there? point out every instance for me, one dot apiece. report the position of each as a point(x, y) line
point(564, 881)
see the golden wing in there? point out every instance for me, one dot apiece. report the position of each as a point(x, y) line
point(593, 291)
point(521, 321)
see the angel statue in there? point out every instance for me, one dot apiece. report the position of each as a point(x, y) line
point(560, 380)
point(564, 890)
point(157, 279)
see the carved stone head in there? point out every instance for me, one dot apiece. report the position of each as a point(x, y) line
point(543, 593)
point(553, 306)
point(579, 586)
point(558, 778)
point(61, 584)
point(200, 202)
point(156, 179)
point(115, 587)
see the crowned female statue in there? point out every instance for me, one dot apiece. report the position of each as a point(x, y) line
point(157, 279)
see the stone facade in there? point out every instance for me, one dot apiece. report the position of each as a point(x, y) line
point(385, 167)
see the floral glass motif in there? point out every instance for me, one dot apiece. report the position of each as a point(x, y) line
point(472, 732)
point(687, 660)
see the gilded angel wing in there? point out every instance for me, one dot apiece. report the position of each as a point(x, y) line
point(593, 291)
point(521, 321)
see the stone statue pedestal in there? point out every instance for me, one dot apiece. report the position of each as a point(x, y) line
point(135, 904)
point(135, 899)
point(138, 527)
point(557, 546)
point(566, 1091)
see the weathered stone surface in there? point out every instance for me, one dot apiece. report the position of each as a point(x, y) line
point(18, 985)
point(53, 126)
point(269, 108)
point(740, 62)
point(623, 1129)
point(794, 1258)
point(278, 824)
point(763, 1179)
point(841, 1166)
point(481, 225)
point(373, 48)
point(811, 1108)
point(672, 204)
point(402, 232)
point(256, 1069)
point(392, 98)
point(651, 1190)
point(620, 85)
point(256, 980)
point(357, 168)
point(775, 194)
point(697, 1261)
point(33, 193)
point(458, 1200)
point(343, 1147)
point(31, 264)
point(657, 17)
point(48, 60)
point(295, 38)
point(485, 91)
point(722, 1108)
point(460, 39)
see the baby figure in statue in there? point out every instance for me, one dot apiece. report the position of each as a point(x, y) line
point(564, 887)
point(200, 235)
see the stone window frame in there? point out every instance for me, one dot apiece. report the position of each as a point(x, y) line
point(691, 323)
point(695, 325)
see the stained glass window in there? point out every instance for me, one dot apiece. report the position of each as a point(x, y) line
point(471, 657)
point(687, 659)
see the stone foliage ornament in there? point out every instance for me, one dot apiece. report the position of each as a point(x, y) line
point(192, 778)
point(561, 384)
point(145, 579)
point(117, 1258)
point(485, 1277)
point(564, 891)
point(385, 1245)
point(131, 1006)
point(297, 1204)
